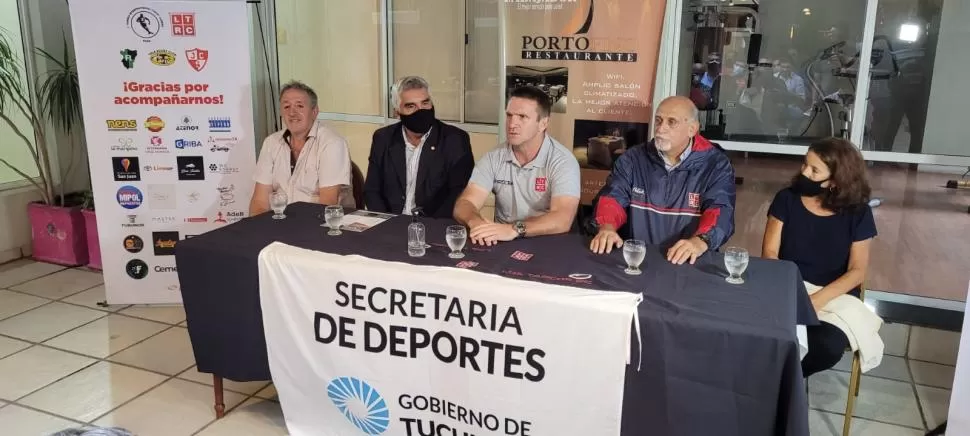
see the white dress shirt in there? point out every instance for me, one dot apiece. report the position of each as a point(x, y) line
point(412, 157)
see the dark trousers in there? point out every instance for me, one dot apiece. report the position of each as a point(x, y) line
point(826, 345)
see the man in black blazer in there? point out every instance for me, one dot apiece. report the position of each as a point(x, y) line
point(419, 162)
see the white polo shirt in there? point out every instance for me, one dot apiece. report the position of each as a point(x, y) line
point(324, 161)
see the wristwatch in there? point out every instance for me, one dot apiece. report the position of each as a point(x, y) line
point(706, 237)
point(519, 227)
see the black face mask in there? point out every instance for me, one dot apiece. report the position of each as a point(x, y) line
point(420, 121)
point(807, 187)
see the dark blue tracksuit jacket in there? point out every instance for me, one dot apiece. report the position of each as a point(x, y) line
point(661, 207)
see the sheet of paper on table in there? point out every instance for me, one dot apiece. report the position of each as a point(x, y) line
point(361, 220)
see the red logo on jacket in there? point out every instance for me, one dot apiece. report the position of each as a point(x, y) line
point(693, 199)
point(540, 184)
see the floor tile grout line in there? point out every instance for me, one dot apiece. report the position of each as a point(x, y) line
point(49, 302)
point(854, 417)
point(34, 409)
point(55, 299)
point(919, 404)
point(38, 277)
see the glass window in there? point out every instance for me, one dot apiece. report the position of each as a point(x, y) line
point(780, 71)
point(918, 79)
point(335, 47)
point(482, 83)
point(12, 147)
point(428, 39)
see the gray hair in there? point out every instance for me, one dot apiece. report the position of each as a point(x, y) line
point(407, 83)
point(298, 85)
point(94, 431)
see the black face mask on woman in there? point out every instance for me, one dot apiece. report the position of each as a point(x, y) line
point(807, 187)
point(420, 121)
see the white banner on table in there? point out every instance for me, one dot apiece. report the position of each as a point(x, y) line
point(959, 421)
point(167, 100)
point(364, 347)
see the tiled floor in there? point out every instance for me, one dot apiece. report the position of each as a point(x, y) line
point(66, 361)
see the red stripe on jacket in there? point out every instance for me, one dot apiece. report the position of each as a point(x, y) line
point(609, 211)
point(708, 220)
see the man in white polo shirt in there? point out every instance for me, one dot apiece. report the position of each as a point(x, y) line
point(307, 160)
point(535, 179)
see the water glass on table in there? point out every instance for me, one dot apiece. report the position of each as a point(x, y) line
point(456, 237)
point(736, 261)
point(416, 239)
point(278, 202)
point(634, 250)
point(334, 215)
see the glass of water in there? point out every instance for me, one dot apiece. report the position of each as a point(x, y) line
point(456, 237)
point(634, 250)
point(736, 261)
point(333, 215)
point(278, 201)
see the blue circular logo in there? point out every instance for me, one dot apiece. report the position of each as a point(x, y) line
point(360, 403)
point(129, 197)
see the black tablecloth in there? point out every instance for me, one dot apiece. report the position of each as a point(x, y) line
point(717, 359)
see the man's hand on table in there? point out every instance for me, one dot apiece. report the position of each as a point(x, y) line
point(489, 233)
point(686, 250)
point(605, 240)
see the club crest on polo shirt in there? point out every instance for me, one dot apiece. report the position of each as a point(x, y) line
point(540, 184)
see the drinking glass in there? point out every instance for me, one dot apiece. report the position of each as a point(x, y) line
point(333, 215)
point(416, 239)
point(278, 202)
point(634, 250)
point(736, 261)
point(456, 237)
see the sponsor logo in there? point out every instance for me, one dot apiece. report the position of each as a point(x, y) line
point(222, 143)
point(222, 169)
point(158, 168)
point(182, 144)
point(193, 197)
point(219, 147)
point(693, 199)
point(145, 22)
point(227, 195)
point(173, 287)
point(126, 169)
point(540, 184)
point(129, 197)
point(133, 244)
point(228, 217)
point(572, 44)
point(580, 276)
point(196, 220)
point(161, 197)
point(162, 57)
point(187, 125)
point(360, 403)
point(122, 125)
point(131, 222)
point(128, 58)
point(136, 269)
point(220, 124)
point(466, 264)
point(638, 191)
point(198, 58)
point(163, 243)
point(521, 255)
point(164, 269)
point(183, 23)
point(154, 124)
point(163, 220)
point(124, 144)
point(156, 146)
point(191, 168)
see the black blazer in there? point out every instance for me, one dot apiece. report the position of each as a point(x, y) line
point(445, 165)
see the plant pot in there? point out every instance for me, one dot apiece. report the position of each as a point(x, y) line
point(58, 234)
point(94, 247)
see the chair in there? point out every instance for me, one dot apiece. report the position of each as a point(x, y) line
point(357, 177)
point(854, 378)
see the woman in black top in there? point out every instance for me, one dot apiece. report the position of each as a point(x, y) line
point(823, 223)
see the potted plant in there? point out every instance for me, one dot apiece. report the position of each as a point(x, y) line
point(58, 232)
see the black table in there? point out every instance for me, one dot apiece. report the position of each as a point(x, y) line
point(717, 358)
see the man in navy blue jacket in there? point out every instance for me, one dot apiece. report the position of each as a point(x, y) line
point(677, 190)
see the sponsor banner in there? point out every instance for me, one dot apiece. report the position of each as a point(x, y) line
point(171, 144)
point(597, 61)
point(364, 347)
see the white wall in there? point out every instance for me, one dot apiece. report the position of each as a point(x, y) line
point(950, 93)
